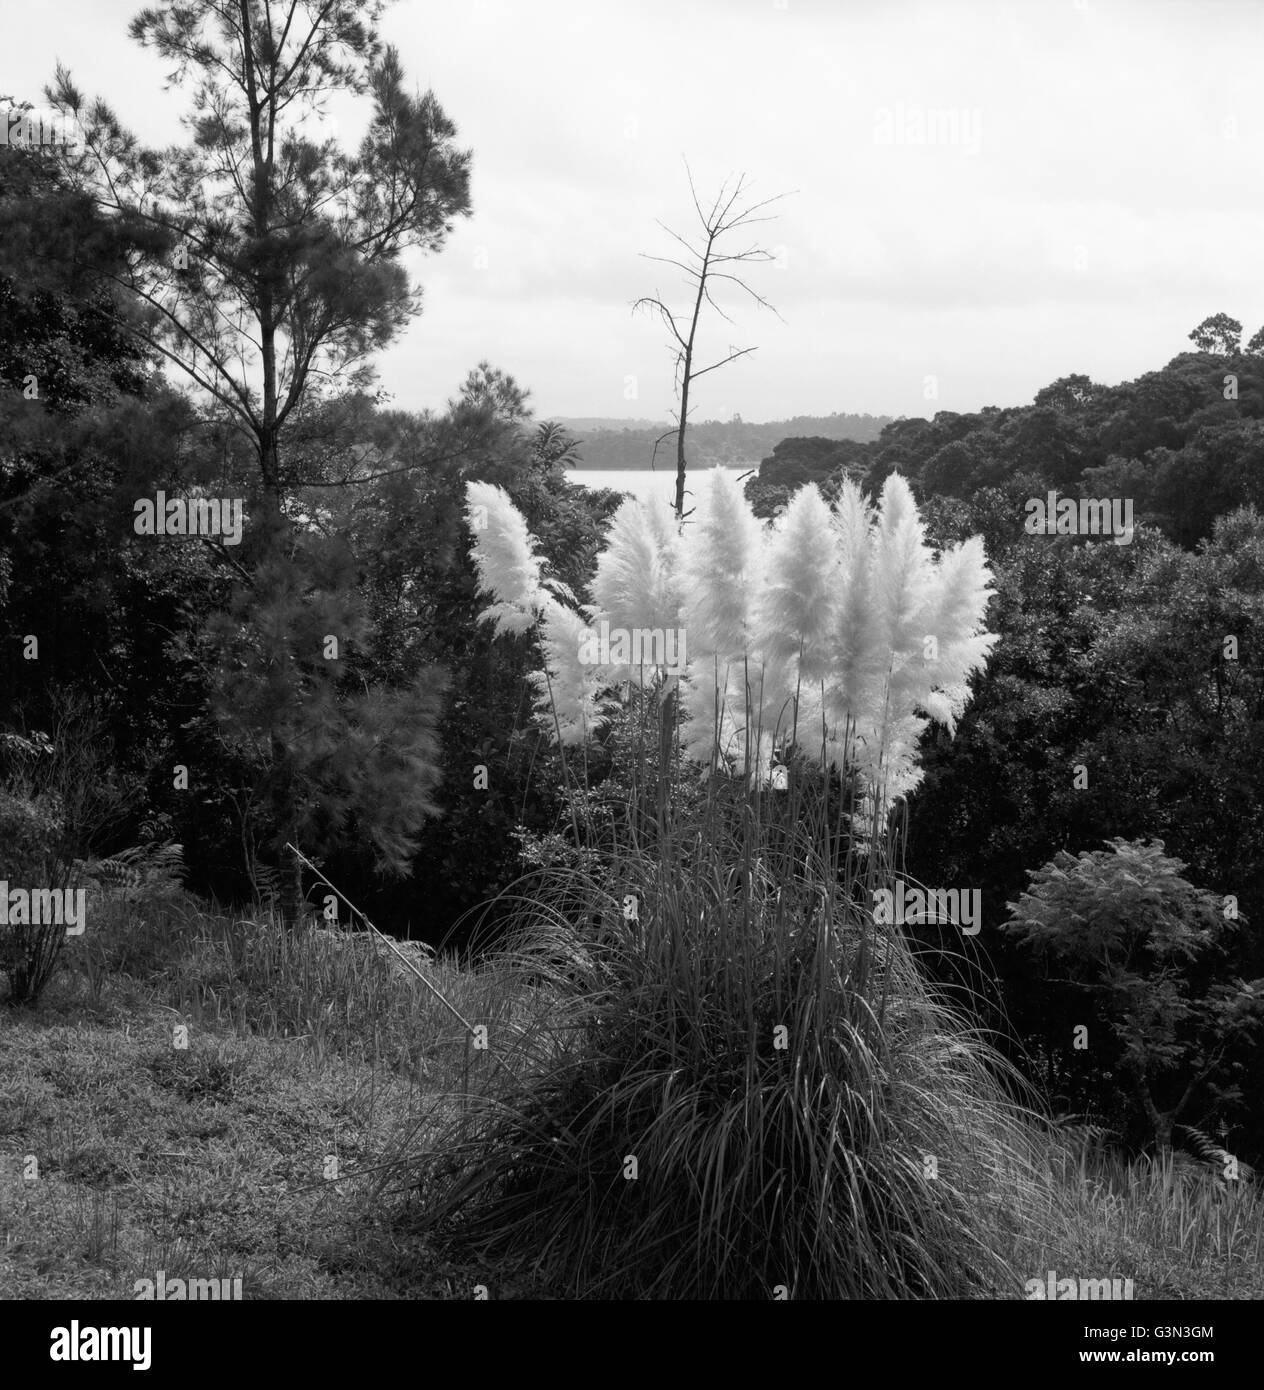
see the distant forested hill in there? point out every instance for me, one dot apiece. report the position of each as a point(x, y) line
point(606, 443)
point(1184, 445)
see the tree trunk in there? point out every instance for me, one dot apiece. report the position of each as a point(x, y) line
point(1163, 1134)
point(292, 901)
point(680, 437)
point(1161, 1121)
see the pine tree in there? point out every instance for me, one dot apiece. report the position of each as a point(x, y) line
point(336, 760)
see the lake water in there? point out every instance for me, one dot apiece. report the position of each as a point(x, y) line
point(642, 482)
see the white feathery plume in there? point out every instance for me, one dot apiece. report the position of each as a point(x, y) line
point(902, 565)
point(505, 558)
point(795, 617)
point(723, 565)
point(637, 583)
point(904, 580)
point(954, 615)
point(509, 569)
point(857, 663)
point(914, 598)
point(568, 689)
point(721, 578)
point(797, 612)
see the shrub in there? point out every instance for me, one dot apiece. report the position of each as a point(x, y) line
point(1131, 932)
point(58, 796)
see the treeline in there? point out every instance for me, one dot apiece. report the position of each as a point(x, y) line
point(607, 445)
point(1185, 443)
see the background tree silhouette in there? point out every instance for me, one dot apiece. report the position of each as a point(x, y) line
point(1218, 333)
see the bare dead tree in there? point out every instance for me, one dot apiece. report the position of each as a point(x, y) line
point(706, 267)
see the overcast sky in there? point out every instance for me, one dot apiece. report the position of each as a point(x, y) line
point(1093, 190)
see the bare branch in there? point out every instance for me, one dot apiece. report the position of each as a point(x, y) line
point(732, 357)
point(677, 237)
point(650, 302)
point(667, 260)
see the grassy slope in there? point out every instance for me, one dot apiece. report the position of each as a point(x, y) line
point(208, 1161)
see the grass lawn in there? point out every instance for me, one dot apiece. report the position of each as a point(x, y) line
point(210, 1160)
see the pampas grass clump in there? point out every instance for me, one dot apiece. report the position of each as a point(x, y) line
point(743, 1089)
point(736, 1083)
